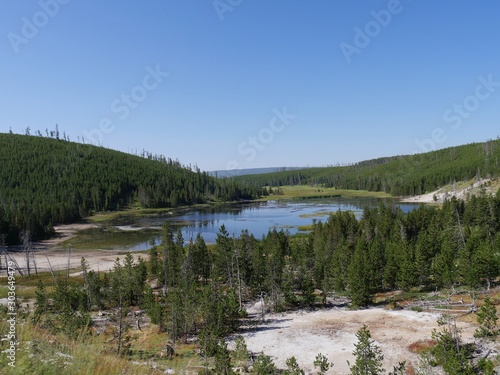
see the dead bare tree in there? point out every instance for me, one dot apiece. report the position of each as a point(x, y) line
point(25, 237)
point(3, 249)
point(50, 266)
point(460, 230)
point(6, 255)
point(69, 261)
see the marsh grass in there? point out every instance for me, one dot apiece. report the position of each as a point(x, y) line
point(305, 228)
point(108, 238)
point(135, 212)
point(303, 191)
point(317, 214)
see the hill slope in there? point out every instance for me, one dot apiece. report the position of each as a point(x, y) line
point(398, 175)
point(45, 181)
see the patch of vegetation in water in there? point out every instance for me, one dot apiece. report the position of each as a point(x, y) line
point(320, 196)
point(305, 228)
point(108, 238)
point(317, 214)
point(131, 214)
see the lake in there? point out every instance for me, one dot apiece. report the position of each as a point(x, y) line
point(256, 217)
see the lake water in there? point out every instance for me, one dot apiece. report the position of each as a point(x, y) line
point(257, 218)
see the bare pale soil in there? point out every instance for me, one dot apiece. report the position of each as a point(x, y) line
point(332, 332)
point(440, 195)
point(49, 257)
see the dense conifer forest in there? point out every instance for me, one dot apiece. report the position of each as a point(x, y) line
point(398, 175)
point(46, 181)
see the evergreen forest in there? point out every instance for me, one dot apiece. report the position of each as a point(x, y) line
point(45, 181)
point(397, 175)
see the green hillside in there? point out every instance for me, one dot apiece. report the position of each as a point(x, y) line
point(398, 175)
point(46, 181)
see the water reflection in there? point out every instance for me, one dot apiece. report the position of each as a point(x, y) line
point(257, 218)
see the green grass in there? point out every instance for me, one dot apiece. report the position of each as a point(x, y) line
point(40, 352)
point(22, 292)
point(26, 286)
point(305, 228)
point(43, 352)
point(303, 191)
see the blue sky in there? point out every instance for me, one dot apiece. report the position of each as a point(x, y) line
point(254, 83)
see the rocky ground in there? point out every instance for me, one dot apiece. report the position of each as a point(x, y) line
point(332, 332)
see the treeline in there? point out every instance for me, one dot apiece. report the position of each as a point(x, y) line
point(49, 181)
point(398, 175)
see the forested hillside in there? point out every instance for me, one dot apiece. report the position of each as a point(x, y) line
point(46, 181)
point(398, 175)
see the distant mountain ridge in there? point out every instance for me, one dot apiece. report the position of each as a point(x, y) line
point(247, 171)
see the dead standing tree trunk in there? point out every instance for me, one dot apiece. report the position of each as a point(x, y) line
point(7, 257)
point(25, 237)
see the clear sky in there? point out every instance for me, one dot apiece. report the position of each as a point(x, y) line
point(254, 83)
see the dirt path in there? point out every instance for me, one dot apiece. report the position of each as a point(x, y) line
point(332, 332)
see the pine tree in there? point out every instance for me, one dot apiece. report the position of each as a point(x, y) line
point(449, 351)
point(264, 365)
point(222, 360)
point(241, 352)
point(368, 355)
point(487, 319)
point(167, 249)
point(201, 259)
point(485, 264)
point(41, 302)
point(292, 367)
point(223, 257)
point(360, 287)
point(408, 272)
point(321, 362)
